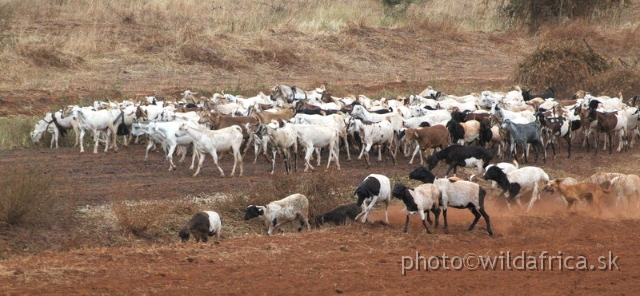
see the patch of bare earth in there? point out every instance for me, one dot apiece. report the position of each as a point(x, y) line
point(356, 258)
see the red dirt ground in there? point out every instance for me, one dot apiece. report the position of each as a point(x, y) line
point(357, 258)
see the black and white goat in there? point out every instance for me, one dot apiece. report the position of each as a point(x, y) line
point(276, 213)
point(339, 214)
point(421, 199)
point(464, 156)
point(202, 225)
point(554, 127)
point(506, 167)
point(519, 182)
point(374, 188)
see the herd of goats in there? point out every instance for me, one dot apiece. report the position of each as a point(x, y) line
point(464, 131)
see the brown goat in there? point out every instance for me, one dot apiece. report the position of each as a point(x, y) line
point(267, 117)
point(219, 121)
point(429, 137)
point(608, 123)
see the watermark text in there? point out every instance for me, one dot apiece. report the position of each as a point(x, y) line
point(505, 261)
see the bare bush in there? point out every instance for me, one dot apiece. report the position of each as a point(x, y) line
point(534, 13)
point(25, 197)
point(566, 67)
point(139, 218)
point(322, 189)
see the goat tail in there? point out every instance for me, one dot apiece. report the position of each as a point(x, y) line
point(515, 163)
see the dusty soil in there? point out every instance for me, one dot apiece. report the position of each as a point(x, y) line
point(357, 258)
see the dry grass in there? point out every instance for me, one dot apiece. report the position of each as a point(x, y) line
point(26, 197)
point(14, 132)
point(95, 48)
point(158, 221)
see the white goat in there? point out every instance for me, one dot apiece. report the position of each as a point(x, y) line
point(164, 133)
point(276, 213)
point(281, 139)
point(212, 141)
point(318, 136)
point(101, 120)
point(45, 126)
point(55, 123)
point(380, 133)
point(358, 111)
point(333, 119)
point(462, 194)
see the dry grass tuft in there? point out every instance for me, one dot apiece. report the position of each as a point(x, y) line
point(50, 57)
point(139, 218)
point(26, 197)
point(14, 132)
point(618, 80)
point(322, 189)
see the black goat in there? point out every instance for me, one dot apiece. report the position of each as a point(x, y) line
point(526, 94)
point(422, 174)
point(464, 156)
point(339, 214)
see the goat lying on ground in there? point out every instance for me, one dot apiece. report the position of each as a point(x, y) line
point(339, 214)
point(423, 198)
point(202, 225)
point(590, 192)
